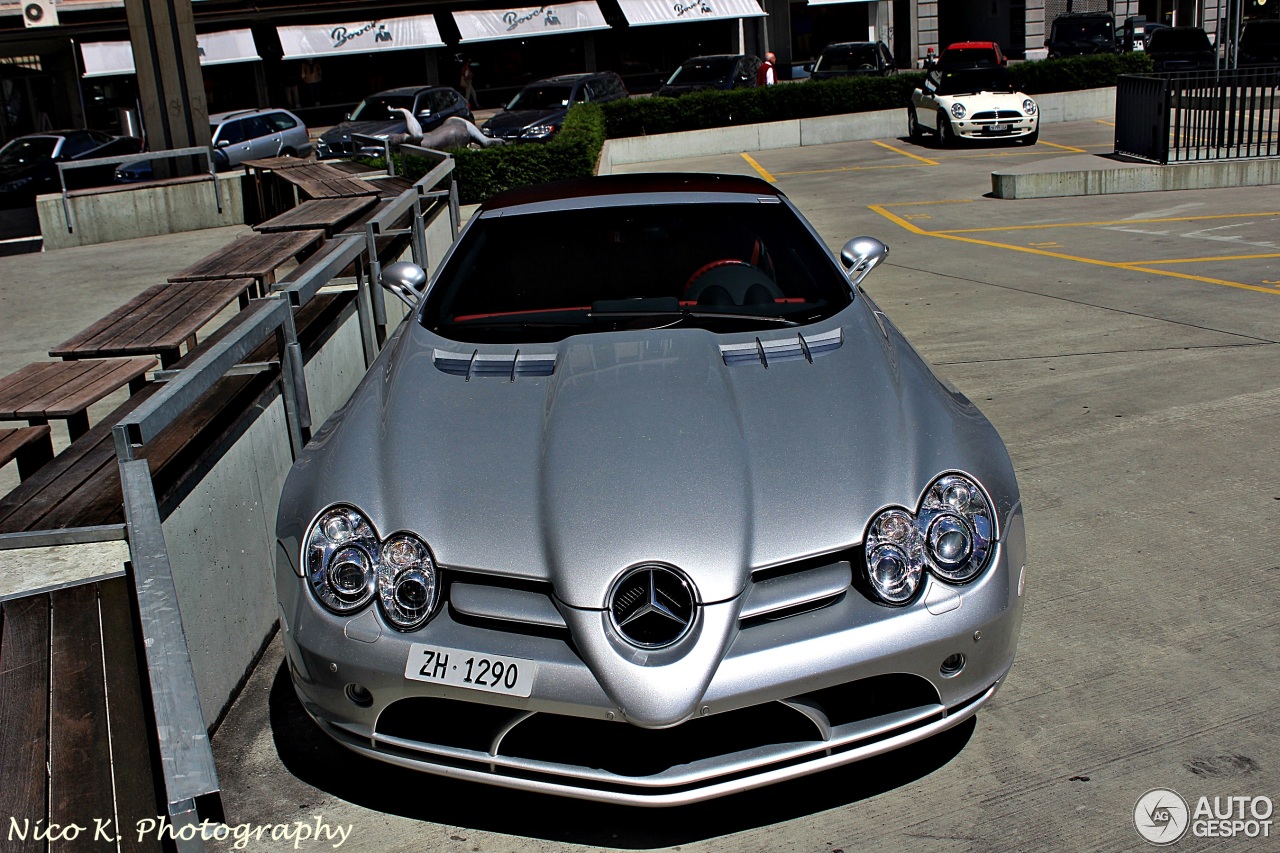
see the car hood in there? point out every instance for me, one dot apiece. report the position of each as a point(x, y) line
point(978, 101)
point(519, 120)
point(18, 171)
point(642, 447)
point(670, 91)
point(382, 127)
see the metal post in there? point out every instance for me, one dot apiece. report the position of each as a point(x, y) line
point(293, 385)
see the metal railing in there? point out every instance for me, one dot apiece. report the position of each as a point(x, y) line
point(175, 154)
point(1196, 116)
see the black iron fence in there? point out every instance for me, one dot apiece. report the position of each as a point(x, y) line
point(1199, 115)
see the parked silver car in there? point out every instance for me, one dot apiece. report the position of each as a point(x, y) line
point(252, 134)
point(677, 515)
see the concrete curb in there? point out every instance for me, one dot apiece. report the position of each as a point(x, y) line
point(823, 130)
point(1087, 174)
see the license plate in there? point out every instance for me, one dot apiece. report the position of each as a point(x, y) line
point(461, 668)
point(997, 128)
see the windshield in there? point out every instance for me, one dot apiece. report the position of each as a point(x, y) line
point(1260, 34)
point(379, 107)
point(1179, 39)
point(857, 57)
point(1097, 30)
point(966, 81)
point(541, 98)
point(725, 267)
point(31, 149)
point(702, 71)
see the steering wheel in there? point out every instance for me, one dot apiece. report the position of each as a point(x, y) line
point(731, 281)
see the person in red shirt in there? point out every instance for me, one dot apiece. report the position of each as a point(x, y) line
point(767, 76)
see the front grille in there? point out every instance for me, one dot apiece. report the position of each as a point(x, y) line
point(602, 756)
point(795, 588)
point(997, 115)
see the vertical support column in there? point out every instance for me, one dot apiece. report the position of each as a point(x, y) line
point(167, 63)
point(1036, 28)
point(926, 27)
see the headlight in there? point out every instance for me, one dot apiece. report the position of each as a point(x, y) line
point(541, 130)
point(958, 110)
point(339, 559)
point(950, 535)
point(1029, 107)
point(407, 583)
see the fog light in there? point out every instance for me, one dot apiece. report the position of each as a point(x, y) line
point(952, 665)
point(359, 695)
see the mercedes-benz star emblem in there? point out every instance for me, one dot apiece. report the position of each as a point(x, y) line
point(652, 606)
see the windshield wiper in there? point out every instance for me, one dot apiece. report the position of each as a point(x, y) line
point(669, 308)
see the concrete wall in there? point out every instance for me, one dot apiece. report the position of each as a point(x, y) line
point(851, 127)
point(140, 212)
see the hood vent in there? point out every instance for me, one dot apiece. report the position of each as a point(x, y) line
point(771, 351)
point(507, 367)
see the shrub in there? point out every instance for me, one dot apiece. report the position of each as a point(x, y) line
point(1072, 73)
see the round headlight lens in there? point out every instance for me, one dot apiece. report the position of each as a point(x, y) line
point(407, 582)
point(958, 110)
point(893, 575)
point(339, 559)
point(961, 530)
point(1029, 107)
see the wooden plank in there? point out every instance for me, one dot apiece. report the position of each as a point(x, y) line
point(133, 764)
point(80, 785)
point(24, 716)
point(32, 447)
point(36, 378)
point(109, 375)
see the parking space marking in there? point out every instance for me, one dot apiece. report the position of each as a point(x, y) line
point(849, 169)
point(1107, 123)
point(896, 150)
point(1070, 148)
point(1130, 267)
point(1108, 223)
point(764, 173)
point(1209, 259)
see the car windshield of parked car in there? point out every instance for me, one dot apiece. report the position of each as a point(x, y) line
point(541, 98)
point(847, 58)
point(31, 149)
point(1179, 39)
point(1260, 35)
point(379, 107)
point(702, 71)
point(725, 267)
point(968, 81)
point(1088, 31)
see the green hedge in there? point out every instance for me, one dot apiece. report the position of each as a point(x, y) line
point(699, 111)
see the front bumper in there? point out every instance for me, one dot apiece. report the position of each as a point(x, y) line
point(996, 128)
point(792, 695)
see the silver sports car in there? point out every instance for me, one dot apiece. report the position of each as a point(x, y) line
point(647, 502)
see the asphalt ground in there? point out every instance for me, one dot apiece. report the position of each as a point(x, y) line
point(1126, 349)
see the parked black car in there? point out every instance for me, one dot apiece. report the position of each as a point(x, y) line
point(1180, 49)
point(537, 113)
point(1082, 33)
point(853, 58)
point(430, 105)
point(29, 164)
point(1260, 43)
point(724, 71)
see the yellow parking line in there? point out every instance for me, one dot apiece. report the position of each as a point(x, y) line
point(1206, 260)
point(1110, 222)
point(916, 229)
point(1063, 147)
point(848, 169)
point(764, 173)
point(896, 150)
point(942, 201)
point(1107, 123)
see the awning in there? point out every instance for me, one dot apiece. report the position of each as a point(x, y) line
point(642, 13)
point(104, 58)
point(833, 2)
point(493, 24)
point(366, 36)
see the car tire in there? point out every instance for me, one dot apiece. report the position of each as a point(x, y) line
point(914, 130)
point(1031, 138)
point(288, 152)
point(946, 134)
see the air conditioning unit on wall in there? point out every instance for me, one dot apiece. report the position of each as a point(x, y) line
point(39, 13)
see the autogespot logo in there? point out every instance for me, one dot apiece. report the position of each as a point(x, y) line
point(1161, 816)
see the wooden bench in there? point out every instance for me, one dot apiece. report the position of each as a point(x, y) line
point(75, 724)
point(256, 256)
point(317, 180)
point(157, 321)
point(32, 447)
point(135, 185)
point(329, 214)
point(64, 390)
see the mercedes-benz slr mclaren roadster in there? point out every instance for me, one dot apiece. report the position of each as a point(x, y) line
point(647, 502)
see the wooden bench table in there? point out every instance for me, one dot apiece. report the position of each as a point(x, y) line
point(317, 180)
point(64, 390)
point(330, 214)
point(157, 321)
point(32, 447)
point(256, 256)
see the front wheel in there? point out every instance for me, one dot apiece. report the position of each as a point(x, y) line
point(1031, 138)
point(946, 133)
point(914, 130)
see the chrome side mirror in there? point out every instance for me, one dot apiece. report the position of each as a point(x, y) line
point(860, 256)
point(406, 280)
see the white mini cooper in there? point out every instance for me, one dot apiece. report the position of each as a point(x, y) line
point(972, 103)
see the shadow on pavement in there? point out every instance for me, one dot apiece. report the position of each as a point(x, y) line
point(313, 757)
